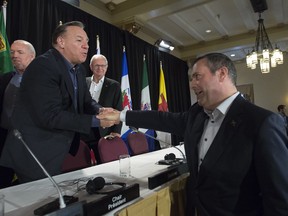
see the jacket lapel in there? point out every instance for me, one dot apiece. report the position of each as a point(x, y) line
point(103, 93)
point(64, 71)
point(196, 132)
point(229, 127)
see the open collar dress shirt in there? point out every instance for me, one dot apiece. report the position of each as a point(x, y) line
point(95, 88)
point(212, 126)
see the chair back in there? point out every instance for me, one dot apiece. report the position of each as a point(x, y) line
point(81, 160)
point(138, 143)
point(110, 148)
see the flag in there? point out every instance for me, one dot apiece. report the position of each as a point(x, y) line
point(162, 102)
point(126, 95)
point(5, 59)
point(97, 45)
point(146, 104)
point(163, 106)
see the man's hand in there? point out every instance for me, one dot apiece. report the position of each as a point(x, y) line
point(104, 123)
point(109, 115)
point(115, 134)
point(105, 109)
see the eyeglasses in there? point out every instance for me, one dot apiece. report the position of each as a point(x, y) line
point(100, 66)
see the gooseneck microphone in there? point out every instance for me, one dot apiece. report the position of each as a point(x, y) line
point(18, 135)
point(137, 131)
point(58, 203)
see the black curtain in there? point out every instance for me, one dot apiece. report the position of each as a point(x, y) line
point(35, 20)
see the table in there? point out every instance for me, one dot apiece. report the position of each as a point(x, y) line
point(23, 199)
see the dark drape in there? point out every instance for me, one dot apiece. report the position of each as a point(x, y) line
point(35, 20)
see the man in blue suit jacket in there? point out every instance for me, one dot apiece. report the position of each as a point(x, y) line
point(237, 153)
point(54, 106)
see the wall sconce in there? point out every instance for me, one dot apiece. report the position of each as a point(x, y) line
point(164, 45)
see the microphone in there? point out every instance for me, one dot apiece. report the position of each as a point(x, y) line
point(52, 206)
point(152, 137)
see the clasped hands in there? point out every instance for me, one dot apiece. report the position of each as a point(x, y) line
point(108, 117)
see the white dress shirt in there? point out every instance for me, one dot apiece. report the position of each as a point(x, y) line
point(95, 88)
point(212, 126)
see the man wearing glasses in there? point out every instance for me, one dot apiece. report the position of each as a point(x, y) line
point(107, 92)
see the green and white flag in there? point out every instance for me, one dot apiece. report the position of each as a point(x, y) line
point(146, 104)
point(5, 59)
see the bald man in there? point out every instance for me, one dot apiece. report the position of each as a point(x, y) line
point(22, 53)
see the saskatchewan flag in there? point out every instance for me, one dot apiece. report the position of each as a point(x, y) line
point(5, 60)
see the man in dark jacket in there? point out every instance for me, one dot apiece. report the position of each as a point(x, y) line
point(236, 152)
point(22, 53)
point(54, 107)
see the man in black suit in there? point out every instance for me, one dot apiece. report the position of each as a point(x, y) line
point(22, 53)
point(54, 106)
point(237, 153)
point(282, 112)
point(107, 92)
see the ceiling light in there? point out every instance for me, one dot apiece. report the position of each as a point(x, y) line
point(164, 45)
point(263, 51)
point(208, 31)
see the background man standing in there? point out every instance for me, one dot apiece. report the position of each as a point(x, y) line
point(107, 92)
point(22, 53)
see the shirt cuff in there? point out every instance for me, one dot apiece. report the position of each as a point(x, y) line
point(123, 115)
point(95, 122)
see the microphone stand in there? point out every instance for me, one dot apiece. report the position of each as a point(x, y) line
point(137, 131)
point(61, 210)
point(61, 200)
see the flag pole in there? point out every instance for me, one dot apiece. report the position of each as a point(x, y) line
point(4, 6)
point(98, 45)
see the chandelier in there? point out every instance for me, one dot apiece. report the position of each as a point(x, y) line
point(263, 51)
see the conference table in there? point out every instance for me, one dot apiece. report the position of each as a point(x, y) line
point(23, 199)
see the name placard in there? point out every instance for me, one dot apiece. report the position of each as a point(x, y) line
point(112, 201)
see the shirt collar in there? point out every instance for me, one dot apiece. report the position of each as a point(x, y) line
point(223, 107)
point(100, 81)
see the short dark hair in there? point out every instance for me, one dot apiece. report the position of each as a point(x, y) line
point(62, 28)
point(281, 107)
point(218, 60)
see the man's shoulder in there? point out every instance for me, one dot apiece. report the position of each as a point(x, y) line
point(7, 75)
point(111, 81)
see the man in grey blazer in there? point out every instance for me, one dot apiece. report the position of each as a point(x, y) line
point(53, 107)
point(22, 53)
point(107, 92)
point(237, 153)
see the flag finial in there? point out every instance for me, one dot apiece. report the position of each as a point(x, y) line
point(144, 57)
point(123, 48)
point(4, 3)
point(60, 23)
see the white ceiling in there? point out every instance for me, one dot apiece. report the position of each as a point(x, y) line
point(184, 22)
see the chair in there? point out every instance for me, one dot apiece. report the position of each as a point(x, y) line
point(138, 143)
point(110, 148)
point(84, 158)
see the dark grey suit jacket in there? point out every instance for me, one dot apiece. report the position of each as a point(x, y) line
point(46, 117)
point(244, 171)
point(4, 81)
point(110, 96)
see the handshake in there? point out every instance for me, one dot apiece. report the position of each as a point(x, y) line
point(108, 117)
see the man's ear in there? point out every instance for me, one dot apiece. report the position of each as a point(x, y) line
point(223, 73)
point(61, 42)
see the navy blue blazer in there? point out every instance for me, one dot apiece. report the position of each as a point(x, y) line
point(46, 117)
point(245, 169)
